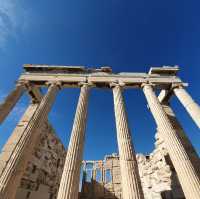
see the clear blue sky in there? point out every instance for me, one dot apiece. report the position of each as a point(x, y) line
point(127, 35)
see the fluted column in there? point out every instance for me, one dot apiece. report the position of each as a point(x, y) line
point(10, 101)
point(188, 176)
point(190, 105)
point(189, 149)
point(94, 173)
point(19, 156)
point(131, 184)
point(69, 185)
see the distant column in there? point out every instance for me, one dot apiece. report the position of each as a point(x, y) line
point(190, 105)
point(102, 173)
point(69, 185)
point(94, 173)
point(10, 101)
point(12, 171)
point(131, 184)
point(188, 176)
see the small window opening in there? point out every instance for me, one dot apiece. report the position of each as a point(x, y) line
point(98, 175)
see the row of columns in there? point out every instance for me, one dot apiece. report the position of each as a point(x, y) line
point(131, 186)
point(188, 177)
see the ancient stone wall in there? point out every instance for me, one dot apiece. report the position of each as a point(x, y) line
point(43, 173)
point(100, 179)
point(158, 176)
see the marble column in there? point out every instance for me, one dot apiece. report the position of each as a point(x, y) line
point(19, 156)
point(102, 174)
point(94, 174)
point(187, 175)
point(190, 105)
point(190, 150)
point(10, 101)
point(69, 185)
point(131, 184)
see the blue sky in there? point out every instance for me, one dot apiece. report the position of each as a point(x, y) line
point(127, 35)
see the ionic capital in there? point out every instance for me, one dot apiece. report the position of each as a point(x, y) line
point(147, 84)
point(179, 85)
point(22, 83)
point(87, 84)
point(117, 84)
point(26, 84)
point(56, 83)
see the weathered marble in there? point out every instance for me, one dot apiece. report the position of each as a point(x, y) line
point(19, 152)
point(131, 185)
point(34, 164)
point(10, 101)
point(69, 185)
point(184, 167)
point(42, 175)
point(190, 105)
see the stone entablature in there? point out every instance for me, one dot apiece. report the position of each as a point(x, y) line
point(71, 76)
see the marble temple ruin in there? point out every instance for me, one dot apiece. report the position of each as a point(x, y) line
point(35, 165)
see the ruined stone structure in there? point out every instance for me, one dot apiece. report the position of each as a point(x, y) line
point(42, 175)
point(102, 179)
point(34, 164)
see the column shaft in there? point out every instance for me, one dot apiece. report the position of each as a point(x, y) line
point(190, 105)
point(131, 184)
point(94, 174)
point(186, 172)
point(20, 153)
point(10, 101)
point(69, 185)
point(189, 149)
